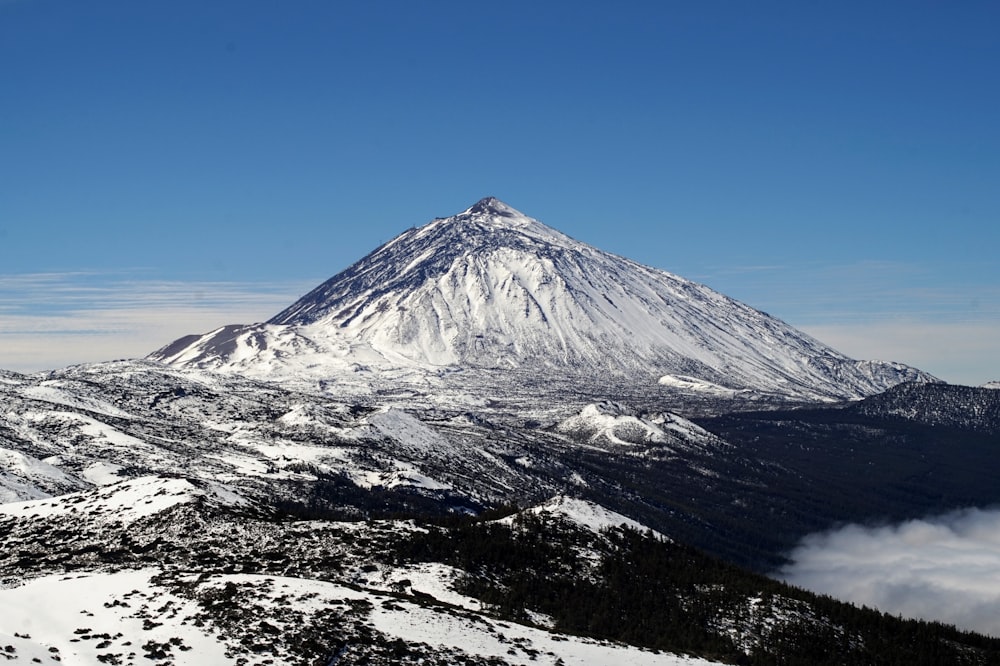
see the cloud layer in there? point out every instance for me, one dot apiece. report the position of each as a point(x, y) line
point(888, 311)
point(959, 352)
point(52, 320)
point(945, 568)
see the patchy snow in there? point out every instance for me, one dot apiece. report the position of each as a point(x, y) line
point(397, 617)
point(430, 578)
point(126, 501)
point(289, 453)
point(593, 517)
point(611, 423)
point(310, 415)
point(689, 430)
point(406, 429)
point(695, 385)
point(524, 461)
point(23, 477)
point(514, 643)
point(98, 431)
point(54, 393)
point(77, 618)
point(244, 465)
point(402, 474)
point(14, 489)
point(80, 619)
point(608, 423)
point(103, 473)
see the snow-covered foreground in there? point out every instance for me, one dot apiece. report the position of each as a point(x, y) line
point(97, 618)
point(190, 603)
point(136, 615)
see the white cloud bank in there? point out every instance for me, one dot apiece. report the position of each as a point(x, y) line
point(945, 568)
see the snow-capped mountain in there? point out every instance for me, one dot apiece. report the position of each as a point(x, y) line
point(492, 289)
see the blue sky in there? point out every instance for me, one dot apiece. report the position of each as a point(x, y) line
point(169, 167)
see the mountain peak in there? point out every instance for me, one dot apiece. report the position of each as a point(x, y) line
point(491, 206)
point(487, 223)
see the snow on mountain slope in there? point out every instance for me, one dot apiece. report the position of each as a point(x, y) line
point(126, 501)
point(491, 288)
point(127, 419)
point(24, 477)
point(121, 617)
point(625, 429)
point(95, 618)
point(588, 515)
point(165, 569)
point(60, 394)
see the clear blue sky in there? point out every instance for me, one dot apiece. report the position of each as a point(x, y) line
point(166, 167)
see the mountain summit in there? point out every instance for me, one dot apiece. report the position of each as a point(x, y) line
point(462, 259)
point(491, 288)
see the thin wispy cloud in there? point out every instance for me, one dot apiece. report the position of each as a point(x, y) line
point(961, 352)
point(88, 291)
point(869, 290)
point(945, 568)
point(50, 320)
point(893, 311)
